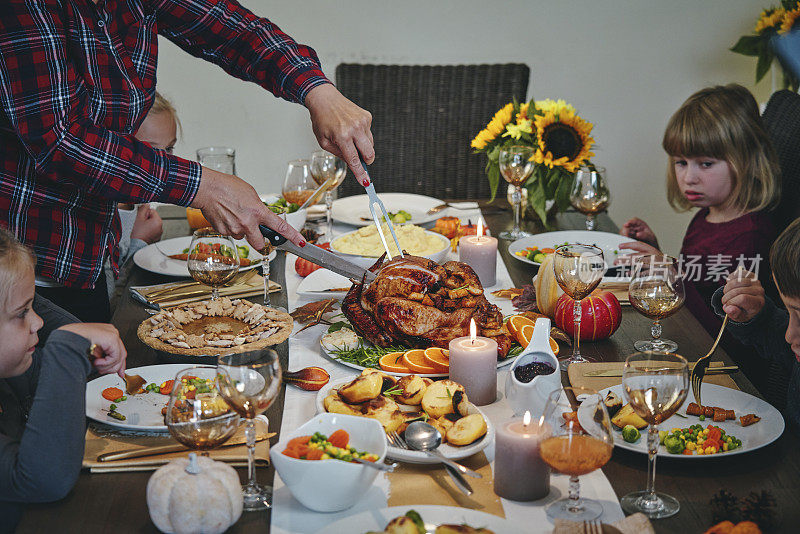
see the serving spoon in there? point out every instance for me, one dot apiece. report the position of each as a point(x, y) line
point(425, 437)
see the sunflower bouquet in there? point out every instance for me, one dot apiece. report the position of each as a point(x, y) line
point(774, 23)
point(561, 141)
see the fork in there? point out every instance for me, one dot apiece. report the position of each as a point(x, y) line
point(374, 199)
point(700, 366)
point(592, 527)
point(396, 440)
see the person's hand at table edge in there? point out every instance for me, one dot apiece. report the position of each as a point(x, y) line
point(743, 296)
point(233, 208)
point(639, 230)
point(342, 128)
point(107, 338)
point(638, 248)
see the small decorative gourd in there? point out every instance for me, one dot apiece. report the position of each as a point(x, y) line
point(194, 495)
point(547, 289)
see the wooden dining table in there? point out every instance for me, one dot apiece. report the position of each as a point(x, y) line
point(116, 502)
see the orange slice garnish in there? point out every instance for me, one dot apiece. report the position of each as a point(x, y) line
point(414, 359)
point(526, 334)
point(516, 324)
point(438, 358)
point(393, 363)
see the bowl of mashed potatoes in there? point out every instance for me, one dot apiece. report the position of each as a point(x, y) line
point(364, 245)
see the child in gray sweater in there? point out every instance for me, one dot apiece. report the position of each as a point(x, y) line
point(42, 387)
point(755, 320)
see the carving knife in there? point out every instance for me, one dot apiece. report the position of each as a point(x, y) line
point(318, 255)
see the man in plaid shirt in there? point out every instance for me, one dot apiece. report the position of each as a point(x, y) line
point(77, 78)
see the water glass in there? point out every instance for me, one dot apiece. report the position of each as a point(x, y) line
point(218, 158)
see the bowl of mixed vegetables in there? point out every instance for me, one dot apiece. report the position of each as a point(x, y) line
point(295, 216)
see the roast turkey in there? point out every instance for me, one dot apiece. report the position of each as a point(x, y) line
point(416, 302)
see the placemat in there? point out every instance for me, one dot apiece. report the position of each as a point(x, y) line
point(413, 484)
point(99, 442)
point(576, 372)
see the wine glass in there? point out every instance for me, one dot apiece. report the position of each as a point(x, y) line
point(579, 270)
point(589, 193)
point(655, 385)
point(656, 291)
point(325, 167)
point(219, 158)
point(516, 166)
point(298, 185)
point(249, 383)
point(197, 416)
point(580, 442)
point(213, 259)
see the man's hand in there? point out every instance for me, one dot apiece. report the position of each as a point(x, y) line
point(233, 208)
point(342, 128)
point(639, 230)
point(743, 296)
point(148, 225)
point(107, 338)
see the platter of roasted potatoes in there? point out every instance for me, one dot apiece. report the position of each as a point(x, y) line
point(397, 402)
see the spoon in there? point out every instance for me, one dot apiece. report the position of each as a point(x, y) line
point(424, 437)
point(380, 466)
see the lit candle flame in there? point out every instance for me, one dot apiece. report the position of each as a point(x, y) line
point(473, 330)
point(526, 419)
point(480, 228)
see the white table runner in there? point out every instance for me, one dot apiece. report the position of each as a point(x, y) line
point(289, 516)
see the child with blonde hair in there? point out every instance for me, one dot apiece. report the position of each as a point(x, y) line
point(141, 225)
point(722, 162)
point(44, 363)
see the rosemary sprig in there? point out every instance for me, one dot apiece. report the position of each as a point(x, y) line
point(394, 390)
point(364, 355)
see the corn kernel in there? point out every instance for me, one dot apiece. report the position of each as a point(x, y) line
point(705, 432)
point(699, 450)
point(724, 446)
point(710, 450)
point(691, 446)
point(674, 430)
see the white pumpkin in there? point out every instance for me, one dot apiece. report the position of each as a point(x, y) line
point(546, 287)
point(194, 495)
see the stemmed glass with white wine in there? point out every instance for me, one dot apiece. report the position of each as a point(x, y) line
point(197, 416)
point(249, 382)
point(330, 170)
point(580, 442)
point(655, 384)
point(656, 291)
point(213, 259)
point(515, 167)
point(589, 193)
point(578, 270)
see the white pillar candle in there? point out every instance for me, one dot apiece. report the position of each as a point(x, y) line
point(473, 364)
point(520, 474)
point(480, 252)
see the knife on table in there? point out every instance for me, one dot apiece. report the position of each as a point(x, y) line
point(373, 199)
point(618, 372)
point(318, 255)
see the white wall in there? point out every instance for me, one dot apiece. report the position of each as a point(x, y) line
point(625, 64)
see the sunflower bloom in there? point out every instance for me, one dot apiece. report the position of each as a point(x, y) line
point(564, 138)
point(789, 20)
point(495, 127)
point(555, 106)
point(769, 19)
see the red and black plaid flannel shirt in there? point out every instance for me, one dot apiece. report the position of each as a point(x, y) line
point(77, 80)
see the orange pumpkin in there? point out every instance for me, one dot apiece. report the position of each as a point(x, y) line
point(601, 315)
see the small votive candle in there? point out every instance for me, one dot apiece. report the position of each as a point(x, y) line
point(480, 252)
point(473, 364)
point(520, 474)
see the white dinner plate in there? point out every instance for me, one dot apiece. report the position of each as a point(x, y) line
point(352, 210)
point(500, 363)
point(432, 515)
point(318, 284)
point(605, 240)
point(142, 411)
point(753, 437)
point(154, 258)
point(418, 457)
